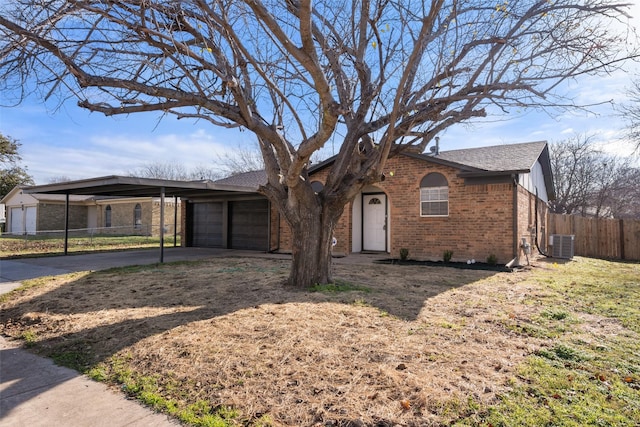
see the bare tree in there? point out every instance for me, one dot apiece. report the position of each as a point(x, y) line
point(589, 182)
point(241, 160)
point(374, 78)
point(623, 198)
point(630, 112)
point(574, 174)
point(175, 171)
point(58, 178)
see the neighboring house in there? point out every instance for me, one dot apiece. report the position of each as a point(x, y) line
point(474, 202)
point(139, 215)
point(39, 212)
point(3, 216)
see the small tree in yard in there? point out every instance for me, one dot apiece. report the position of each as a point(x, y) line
point(375, 78)
point(11, 173)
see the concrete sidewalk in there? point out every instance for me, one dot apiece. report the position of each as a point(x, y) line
point(36, 392)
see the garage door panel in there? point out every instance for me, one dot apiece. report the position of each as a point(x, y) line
point(207, 225)
point(249, 225)
point(30, 220)
point(17, 221)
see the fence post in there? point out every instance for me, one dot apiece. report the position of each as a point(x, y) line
point(621, 222)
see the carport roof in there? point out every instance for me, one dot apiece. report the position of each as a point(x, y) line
point(128, 186)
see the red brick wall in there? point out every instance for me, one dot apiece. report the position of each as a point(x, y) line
point(480, 221)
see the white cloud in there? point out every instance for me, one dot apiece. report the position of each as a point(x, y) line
point(116, 154)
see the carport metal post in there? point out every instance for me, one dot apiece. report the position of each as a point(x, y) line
point(66, 223)
point(161, 225)
point(175, 221)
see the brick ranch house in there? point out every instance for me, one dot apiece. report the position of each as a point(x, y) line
point(474, 202)
point(32, 213)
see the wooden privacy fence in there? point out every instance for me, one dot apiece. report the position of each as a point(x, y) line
point(600, 237)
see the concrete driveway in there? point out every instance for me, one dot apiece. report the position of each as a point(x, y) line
point(14, 271)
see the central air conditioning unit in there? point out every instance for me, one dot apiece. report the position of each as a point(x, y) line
point(561, 246)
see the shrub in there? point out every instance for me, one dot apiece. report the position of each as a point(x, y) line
point(446, 256)
point(404, 254)
point(492, 259)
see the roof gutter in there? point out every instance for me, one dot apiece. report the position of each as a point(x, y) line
point(474, 174)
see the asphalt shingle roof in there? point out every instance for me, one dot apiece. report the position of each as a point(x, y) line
point(497, 158)
point(246, 179)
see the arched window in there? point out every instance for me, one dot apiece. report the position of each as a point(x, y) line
point(107, 216)
point(434, 195)
point(137, 216)
point(375, 201)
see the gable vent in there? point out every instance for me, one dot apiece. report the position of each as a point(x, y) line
point(562, 246)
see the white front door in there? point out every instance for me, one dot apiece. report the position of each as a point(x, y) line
point(374, 222)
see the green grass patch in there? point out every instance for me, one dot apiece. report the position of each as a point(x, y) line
point(30, 246)
point(555, 314)
point(73, 354)
point(577, 378)
point(339, 286)
point(165, 394)
point(558, 396)
point(30, 338)
point(41, 281)
point(562, 352)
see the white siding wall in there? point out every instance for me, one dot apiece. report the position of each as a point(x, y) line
point(535, 180)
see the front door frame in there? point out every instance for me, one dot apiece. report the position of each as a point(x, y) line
point(386, 220)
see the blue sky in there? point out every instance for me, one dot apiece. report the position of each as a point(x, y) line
point(72, 142)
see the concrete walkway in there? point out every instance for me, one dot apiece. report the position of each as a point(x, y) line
point(35, 392)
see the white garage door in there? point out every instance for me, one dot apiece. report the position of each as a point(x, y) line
point(16, 225)
point(23, 220)
point(30, 220)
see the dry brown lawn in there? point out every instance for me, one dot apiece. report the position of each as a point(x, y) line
point(411, 346)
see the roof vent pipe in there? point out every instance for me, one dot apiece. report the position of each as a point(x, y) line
point(435, 150)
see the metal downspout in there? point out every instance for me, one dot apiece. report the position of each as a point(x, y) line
point(515, 217)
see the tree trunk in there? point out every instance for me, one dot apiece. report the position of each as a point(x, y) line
point(311, 249)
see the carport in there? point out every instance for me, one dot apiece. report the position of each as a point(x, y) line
point(126, 186)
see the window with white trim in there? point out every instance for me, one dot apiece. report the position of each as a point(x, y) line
point(434, 195)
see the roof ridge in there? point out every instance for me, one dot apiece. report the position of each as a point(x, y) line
point(494, 146)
